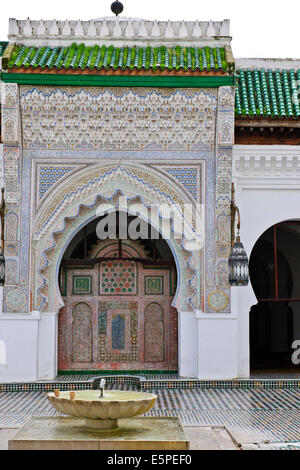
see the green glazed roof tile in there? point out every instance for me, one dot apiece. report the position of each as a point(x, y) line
point(268, 93)
point(80, 56)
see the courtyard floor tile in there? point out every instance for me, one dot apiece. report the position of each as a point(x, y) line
point(251, 416)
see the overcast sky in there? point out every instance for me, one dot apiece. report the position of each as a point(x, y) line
point(260, 28)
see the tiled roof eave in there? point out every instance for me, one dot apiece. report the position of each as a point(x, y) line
point(80, 57)
point(264, 117)
point(118, 71)
point(267, 121)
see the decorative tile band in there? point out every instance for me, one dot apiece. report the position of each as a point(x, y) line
point(139, 373)
point(146, 384)
point(49, 386)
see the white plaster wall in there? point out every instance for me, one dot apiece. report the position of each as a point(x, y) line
point(19, 333)
point(187, 344)
point(267, 192)
point(217, 346)
point(30, 343)
point(47, 346)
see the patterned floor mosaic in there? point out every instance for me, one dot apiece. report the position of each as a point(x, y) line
point(271, 415)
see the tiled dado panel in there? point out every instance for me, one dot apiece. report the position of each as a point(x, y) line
point(118, 316)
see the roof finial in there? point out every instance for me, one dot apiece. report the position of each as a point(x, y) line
point(117, 7)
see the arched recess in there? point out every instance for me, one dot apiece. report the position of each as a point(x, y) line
point(129, 286)
point(101, 189)
point(275, 278)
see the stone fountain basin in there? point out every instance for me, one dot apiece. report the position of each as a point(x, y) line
point(113, 406)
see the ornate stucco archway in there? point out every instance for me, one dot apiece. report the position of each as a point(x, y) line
point(96, 190)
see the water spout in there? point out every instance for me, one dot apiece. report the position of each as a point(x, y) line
point(101, 387)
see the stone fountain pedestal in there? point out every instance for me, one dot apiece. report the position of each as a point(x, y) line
point(68, 433)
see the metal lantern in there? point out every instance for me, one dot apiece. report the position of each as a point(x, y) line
point(2, 268)
point(238, 261)
point(238, 265)
point(2, 259)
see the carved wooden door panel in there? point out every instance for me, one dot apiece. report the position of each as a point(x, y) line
point(77, 341)
point(118, 316)
point(154, 333)
point(82, 333)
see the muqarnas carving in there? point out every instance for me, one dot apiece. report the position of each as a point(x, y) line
point(118, 118)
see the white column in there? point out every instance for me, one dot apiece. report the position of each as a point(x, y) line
point(187, 344)
point(217, 346)
point(243, 298)
point(47, 346)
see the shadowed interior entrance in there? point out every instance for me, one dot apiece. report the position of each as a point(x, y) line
point(275, 277)
point(118, 295)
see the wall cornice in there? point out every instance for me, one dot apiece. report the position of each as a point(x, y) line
point(266, 161)
point(171, 81)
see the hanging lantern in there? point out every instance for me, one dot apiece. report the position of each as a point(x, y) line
point(2, 259)
point(238, 265)
point(2, 269)
point(238, 260)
